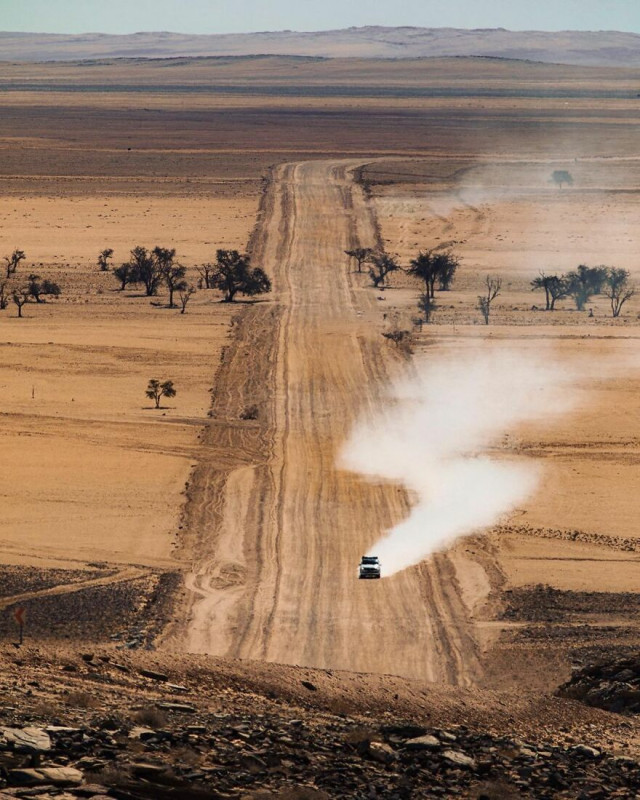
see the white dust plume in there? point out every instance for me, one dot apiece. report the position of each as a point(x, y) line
point(434, 437)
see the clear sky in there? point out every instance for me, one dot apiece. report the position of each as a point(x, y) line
point(229, 16)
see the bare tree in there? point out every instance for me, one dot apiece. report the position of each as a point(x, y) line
point(103, 258)
point(380, 266)
point(185, 294)
point(361, 254)
point(156, 390)
point(554, 287)
point(618, 289)
point(21, 298)
point(13, 261)
point(484, 301)
point(206, 273)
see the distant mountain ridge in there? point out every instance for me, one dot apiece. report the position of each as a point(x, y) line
point(593, 48)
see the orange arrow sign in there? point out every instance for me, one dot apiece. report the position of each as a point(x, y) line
point(18, 613)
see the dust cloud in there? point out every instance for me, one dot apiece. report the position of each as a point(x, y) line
point(435, 437)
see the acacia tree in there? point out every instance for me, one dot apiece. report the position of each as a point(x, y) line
point(13, 261)
point(156, 390)
point(172, 273)
point(103, 258)
point(361, 254)
point(584, 282)
point(126, 274)
point(424, 267)
point(618, 289)
point(380, 265)
point(484, 301)
point(554, 287)
point(38, 287)
point(447, 266)
point(147, 268)
point(560, 176)
point(431, 266)
point(234, 274)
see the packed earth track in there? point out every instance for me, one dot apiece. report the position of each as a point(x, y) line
point(273, 528)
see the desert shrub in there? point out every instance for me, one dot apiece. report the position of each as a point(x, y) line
point(250, 412)
point(150, 716)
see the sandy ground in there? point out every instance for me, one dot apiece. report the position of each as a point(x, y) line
point(272, 530)
point(90, 471)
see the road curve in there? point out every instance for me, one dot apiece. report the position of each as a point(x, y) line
point(273, 529)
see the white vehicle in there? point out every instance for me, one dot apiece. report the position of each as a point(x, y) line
point(369, 567)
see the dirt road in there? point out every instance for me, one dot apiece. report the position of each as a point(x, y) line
point(274, 529)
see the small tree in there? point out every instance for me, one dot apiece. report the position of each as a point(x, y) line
point(447, 265)
point(126, 274)
point(185, 294)
point(172, 273)
point(424, 266)
point(484, 301)
point(584, 282)
point(380, 266)
point(103, 258)
point(618, 289)
point(361, 254)
point(206, 272)
point(4, 296)
point(13, 261)
point(21, 298)
point(427, 305)
point(156, 390)
point(234, 274)
point(431, 266)
point(147, 268)
point(561, 176)
point(554, 287)
point(38, 287)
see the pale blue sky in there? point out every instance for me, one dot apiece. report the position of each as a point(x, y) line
point(227, 16)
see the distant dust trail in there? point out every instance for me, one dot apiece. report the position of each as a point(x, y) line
point(433, 436)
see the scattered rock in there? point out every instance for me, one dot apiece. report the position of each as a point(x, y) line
point(42, 776)
point(310, 686)
point(423, 743)
point(459, 759)
point(180, 708)
point(27, 740)
point(156, 676)
point(379, 751)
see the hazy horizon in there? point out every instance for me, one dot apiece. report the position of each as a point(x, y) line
point(122, 17)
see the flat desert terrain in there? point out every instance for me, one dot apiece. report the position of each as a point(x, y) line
point(197, 530)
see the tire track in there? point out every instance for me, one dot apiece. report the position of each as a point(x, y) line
point(274, 529)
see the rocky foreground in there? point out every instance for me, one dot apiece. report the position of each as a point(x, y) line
point(138, 725)
point(613, 685)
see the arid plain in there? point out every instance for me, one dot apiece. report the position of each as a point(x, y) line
point(238, 537)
